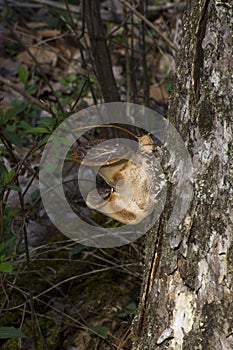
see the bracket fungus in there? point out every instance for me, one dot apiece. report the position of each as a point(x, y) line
point(131, 177)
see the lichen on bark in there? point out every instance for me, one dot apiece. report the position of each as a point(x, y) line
point(190, 302)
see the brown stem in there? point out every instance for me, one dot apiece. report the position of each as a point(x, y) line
point(100, 51)
point(30, 98)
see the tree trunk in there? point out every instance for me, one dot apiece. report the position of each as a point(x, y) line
point(100, 52)
point(187, 294)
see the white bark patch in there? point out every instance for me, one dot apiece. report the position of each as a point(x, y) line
point(184, 113)
point(213, 270)
point(223, 136)
point(167, 333)
point(204, 278)
point(215, 79)
point(217, 145)
point(183, 316)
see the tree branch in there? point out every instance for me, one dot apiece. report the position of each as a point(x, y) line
point(100, 51)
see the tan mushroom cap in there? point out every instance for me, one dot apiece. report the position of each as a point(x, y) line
point(128, 174)
point(95, 153)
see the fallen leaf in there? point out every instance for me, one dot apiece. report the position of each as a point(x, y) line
point(159, 93)
point(48, 33)
point(33, 25)
point(42, 56)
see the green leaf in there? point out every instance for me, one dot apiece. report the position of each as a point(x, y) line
point(66, 100)
point(72, 77)
point(49, 123)
point(7, 247)
point(35, 195)
point(63, 116)
point(23, 74)
point(11, 332)
point(54, 109)
point(31, 89)
point(78, 249)
point(63, 81)
point(24, 124)
point(169, 85)
point(93, 80)
point(10, 212)
point(43, 141)
point(18, 107)
point(3, 256)
point(6, 11)
point(12, 137)
point(101, 331)
point(3, 174)
point(36, 130)
point(6, 266)
point(10, 175)
point(14, 188)
point(131, 307)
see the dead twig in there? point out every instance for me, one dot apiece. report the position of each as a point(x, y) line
point(30, 98)
point(100, 51)
point(151, 25)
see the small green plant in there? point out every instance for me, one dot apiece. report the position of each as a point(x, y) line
point(100, 331)
point(6, 178)
point(5, 266)
point(128, 311)
point(23, 74)
point(11, 332)
point(7, 246)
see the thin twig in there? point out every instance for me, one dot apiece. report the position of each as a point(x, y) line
point(144, 58)
point(30, 98)
point(77, 38)
point(100, 52)
point(151, 25)
point(30, 281)
point(127, 57)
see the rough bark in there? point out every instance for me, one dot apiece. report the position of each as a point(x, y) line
point(100, 52)
point(187, 296)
